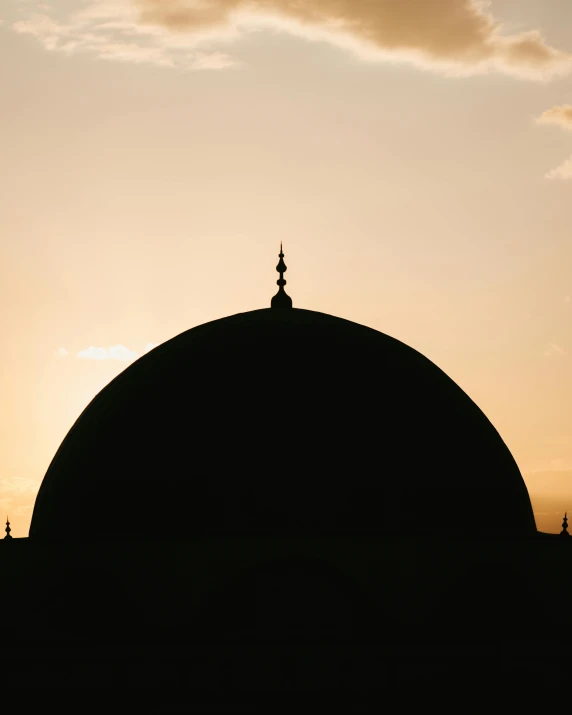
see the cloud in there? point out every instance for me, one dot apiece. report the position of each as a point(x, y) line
point(18, 486)
point(447, 36)
point(554, 350)
point(61, 353)
point(560, 116)
point(115, 352)
point(17, 496)
point(110, 30)
point(452, 36)
point(562, 172)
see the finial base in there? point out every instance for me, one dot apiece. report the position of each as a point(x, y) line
point(281, 300)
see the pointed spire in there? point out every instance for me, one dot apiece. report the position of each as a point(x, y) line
point(8, 529)
point(281, 300)
point(564, 531)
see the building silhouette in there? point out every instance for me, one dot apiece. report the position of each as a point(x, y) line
point(284, 502)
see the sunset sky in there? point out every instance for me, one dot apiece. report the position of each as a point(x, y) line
point(414, 156)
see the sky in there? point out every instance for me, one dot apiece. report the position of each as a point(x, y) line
point(415, 158)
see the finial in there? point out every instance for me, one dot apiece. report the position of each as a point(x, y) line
point(281, 300)
point(564, 531)
point(8, 529)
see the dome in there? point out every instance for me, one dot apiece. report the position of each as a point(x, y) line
point(286, 421)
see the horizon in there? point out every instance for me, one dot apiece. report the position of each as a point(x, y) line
point(416, 167)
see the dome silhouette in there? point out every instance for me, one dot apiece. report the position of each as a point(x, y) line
point(285, 421)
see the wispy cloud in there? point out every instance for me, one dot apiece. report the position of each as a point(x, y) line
point(110, 30)
point(61, 353)
point(562, 172)
point(447, 36)
point(16, 486)
point(17, 496)
point(114, 352)
point(554, 350)
point(560, 116)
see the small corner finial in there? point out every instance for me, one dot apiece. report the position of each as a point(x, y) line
point(564, 531)
point(281, 300)
point(8, 529)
